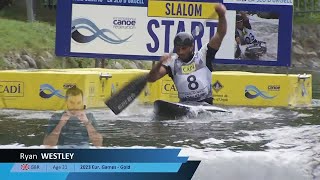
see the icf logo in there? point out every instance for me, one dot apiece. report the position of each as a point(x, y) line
point(47, 91)
point(252, 92)
point(124, 23)
point(80, 24)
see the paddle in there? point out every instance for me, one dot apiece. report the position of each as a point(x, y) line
point(127, 94)
point(124, 97)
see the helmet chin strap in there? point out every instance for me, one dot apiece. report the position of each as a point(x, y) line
point(189, 58)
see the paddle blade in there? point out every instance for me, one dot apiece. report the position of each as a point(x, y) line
point(126, 95)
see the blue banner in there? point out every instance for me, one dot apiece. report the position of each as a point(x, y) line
point(144, 29)
point(96, 167)
point(95, 164)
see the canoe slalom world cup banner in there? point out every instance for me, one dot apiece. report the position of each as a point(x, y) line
point(259, 31)
point(84, 164)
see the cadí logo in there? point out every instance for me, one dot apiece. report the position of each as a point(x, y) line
point(104, 34)
point(252, 92)
point(47, 91)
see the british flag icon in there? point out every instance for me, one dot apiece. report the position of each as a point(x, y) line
point(25, 167)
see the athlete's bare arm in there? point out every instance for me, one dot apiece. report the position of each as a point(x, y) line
point(158, 71)
point(216, 40)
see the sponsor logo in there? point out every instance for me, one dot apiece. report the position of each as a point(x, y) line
point(47, 91)
point(69, 85)
point(274, 88)
point(220, 97)
point(11, 89)
point(104, 34)
point(217, 86)
point(168, 87)
point(186, 69)
point(124, 23)
point(252, 92)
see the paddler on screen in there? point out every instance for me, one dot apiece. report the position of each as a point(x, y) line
point(247, 46)
point(192, 71)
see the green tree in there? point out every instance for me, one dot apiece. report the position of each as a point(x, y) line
point(4, 3)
